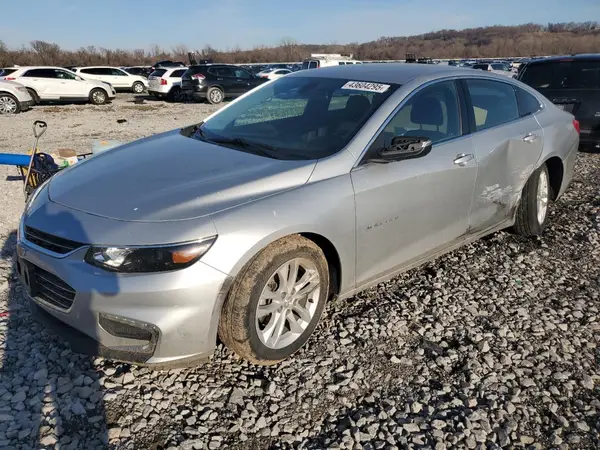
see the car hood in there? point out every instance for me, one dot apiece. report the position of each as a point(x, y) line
point(171, 177)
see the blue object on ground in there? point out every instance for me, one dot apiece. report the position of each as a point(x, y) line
point(11, 159)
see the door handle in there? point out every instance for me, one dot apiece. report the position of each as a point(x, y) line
point(462, 159)
point(219, 79)
point(530, 137)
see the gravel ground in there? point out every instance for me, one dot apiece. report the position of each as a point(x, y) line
point(495, 345)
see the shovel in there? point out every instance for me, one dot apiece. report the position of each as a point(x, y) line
point(39, 128)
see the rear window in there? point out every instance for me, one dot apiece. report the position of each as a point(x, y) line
point(563, 75)
point(158, 73)
point(6, 72)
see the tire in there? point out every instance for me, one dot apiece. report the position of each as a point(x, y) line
point(34, 96)
point(138, 87)
point(527, 221)
point(9, 104)
point(98, 96)
point(175, 95)
point(214, 95)
point(245, 330)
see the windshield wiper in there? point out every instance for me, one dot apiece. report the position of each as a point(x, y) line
point(263, 149)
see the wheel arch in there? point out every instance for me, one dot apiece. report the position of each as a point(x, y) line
point(556, 171)
point(326, 245)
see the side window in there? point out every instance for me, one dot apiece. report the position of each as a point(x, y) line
point(177, 73)
point(213, 71)
point(225, 72)
point(88, 71)
point(118, 73)
point(432, 112)
point(494, 103)
point(528, 104)
point(39, 73)
point(64, 75)
point(241, 73)
point(313, 65)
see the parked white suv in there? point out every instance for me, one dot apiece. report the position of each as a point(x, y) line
point(14, 98)
point(166, 83)
point(118, 78)
point(46, 83)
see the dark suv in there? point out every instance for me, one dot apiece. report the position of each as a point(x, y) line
point(215, 82)
point(573, 84)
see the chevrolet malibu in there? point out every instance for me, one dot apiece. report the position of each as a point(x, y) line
point(316, 185)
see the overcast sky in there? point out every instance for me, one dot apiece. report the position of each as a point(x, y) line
point(225, 24)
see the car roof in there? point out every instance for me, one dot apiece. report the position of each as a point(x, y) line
point(578, 57)
point(399, 73)
point(35, 67)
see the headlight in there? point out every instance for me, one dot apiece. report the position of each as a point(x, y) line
point(148, 259)
point(35, 194)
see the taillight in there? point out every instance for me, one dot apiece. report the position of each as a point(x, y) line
point(198, 76)
point(163, 82)
point(9, 78)
point(576, 125)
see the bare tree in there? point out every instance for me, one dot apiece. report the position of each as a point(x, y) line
point(47, 52)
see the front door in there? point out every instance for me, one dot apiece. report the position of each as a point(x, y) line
point(69, 86)
point(408, 208)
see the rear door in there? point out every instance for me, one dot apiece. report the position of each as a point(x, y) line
point(508, 143)
point(574, 86)
point(245, 80)
point(44, 81)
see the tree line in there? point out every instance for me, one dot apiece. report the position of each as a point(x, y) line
point(484, 42)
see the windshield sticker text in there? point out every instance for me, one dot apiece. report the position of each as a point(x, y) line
point(366, 86)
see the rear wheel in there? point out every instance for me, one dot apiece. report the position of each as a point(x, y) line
point(214, 95)
point(175, 95)
point(98, 96)
point(138, 87)
point(9, 104)
point(276, 301)
point(532, 212)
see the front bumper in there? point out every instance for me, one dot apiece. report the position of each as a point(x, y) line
point(590, 139)
point(166, 319)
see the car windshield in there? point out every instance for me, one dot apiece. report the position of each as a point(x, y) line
point(298, 118)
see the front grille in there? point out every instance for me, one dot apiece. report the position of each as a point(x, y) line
point(51, 289)
point(50, 242)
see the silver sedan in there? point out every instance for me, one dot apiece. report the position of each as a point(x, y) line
point(318, 184)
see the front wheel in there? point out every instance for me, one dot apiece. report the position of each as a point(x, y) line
point(276, 301)
point(98, 96)
point(9, 104)
point(532, 212)
point(138, 87)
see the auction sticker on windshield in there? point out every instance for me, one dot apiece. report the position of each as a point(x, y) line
point(366, 86)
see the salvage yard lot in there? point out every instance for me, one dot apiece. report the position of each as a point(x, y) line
point(496, 344)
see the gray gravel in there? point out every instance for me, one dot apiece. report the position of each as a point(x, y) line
point(492, 346)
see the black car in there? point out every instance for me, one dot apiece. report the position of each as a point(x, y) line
point(141, 71)
point(573, 84)
point(215, 82)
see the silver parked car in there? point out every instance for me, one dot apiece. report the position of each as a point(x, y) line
point(318, 184)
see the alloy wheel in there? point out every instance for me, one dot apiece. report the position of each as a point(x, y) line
point(288, 303)
point(542, 197)
point(8, 105)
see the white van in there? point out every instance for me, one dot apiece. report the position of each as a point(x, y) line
point(317, 61)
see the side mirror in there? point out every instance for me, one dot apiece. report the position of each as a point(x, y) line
point(404, 147)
